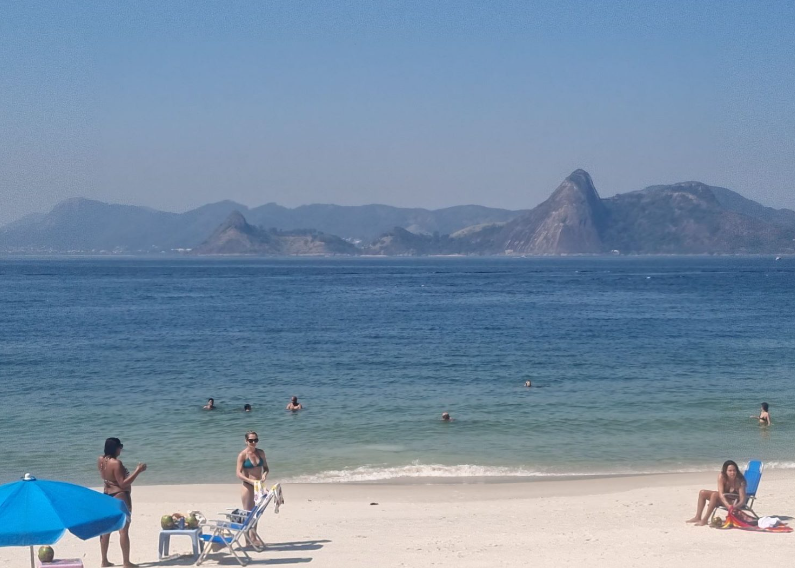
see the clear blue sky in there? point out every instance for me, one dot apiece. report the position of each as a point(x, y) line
point(431, 104)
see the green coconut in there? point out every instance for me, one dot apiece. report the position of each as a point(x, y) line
point(167, 522)
point(191, 522)
point(46, 554)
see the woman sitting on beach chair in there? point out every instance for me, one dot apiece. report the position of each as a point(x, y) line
point(730, 493)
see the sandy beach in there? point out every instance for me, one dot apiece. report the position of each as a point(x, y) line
point(618, 521)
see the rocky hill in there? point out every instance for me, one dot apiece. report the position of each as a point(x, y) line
point(236, 236)
point(688, 218)
point(682, 218)
point(88, 225)
point(571, 221)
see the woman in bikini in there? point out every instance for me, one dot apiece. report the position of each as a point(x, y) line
point(118, 484)
point(251, 467)
point(730, 493)
point(764, 415)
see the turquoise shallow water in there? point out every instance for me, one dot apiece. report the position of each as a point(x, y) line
point(640, 365)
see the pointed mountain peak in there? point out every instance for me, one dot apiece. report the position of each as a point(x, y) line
point(579, 182)
point(235, 220)
point(570, 221)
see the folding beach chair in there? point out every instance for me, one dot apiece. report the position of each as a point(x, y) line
point(753, 475)
point(230, 535)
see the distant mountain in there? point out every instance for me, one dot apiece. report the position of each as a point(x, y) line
point(733, 201)
point(572, 220)
point(688, 218)
point(236, 236)
point(84, 224)
point(87, 225)
point(365, 222)
point(684, 218)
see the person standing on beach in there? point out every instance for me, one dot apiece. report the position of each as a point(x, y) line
point(118, 484)
point(251, 467)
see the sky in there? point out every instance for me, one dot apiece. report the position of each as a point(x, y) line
point(174, 104)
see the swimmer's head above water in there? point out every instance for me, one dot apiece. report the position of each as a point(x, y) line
point(210, 404)
point(246, 408)
point(446, 416)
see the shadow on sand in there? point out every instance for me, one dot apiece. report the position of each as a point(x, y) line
point(225, 559)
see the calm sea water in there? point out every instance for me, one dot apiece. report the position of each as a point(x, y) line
point(639, 365)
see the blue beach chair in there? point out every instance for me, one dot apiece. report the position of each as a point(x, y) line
point(229, 535)
point(753, 475)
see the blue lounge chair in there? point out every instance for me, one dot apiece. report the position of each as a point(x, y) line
point(230, 535)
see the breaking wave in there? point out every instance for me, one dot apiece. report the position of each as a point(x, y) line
point(416, 470)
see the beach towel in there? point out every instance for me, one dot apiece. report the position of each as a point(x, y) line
point(278, 497)
point(737, 519)
point(260, 491)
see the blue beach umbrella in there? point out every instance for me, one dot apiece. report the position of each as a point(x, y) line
point(36, 512)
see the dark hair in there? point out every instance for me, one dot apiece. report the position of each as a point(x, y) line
point(211, 400)
point(112, 447)
point(725, 467)
point(246, 407)
point(764, 406)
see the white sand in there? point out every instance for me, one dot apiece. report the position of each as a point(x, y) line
point(630, 521)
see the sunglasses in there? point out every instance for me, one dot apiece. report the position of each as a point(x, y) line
point(252, 440)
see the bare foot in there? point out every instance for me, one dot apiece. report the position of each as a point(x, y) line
point(107, 563)
point(131, 565)
point(693, 520)
point(701, 523)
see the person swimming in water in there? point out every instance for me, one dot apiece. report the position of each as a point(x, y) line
point(446, 417)
point(294, 404)
point(764, 415)
point(528, 384)
point(210, 404)
point(246, 408)
point(730, 493)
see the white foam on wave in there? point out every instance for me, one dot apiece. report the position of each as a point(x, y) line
point(779, 465)
point(379, 473)
point(416, 470)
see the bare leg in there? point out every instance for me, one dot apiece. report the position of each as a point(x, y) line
point(714, 501)
point(247, 499)
point(124, 533)
point(104, 542)
point(247, 496)
point(124, 539)
point(703, 496)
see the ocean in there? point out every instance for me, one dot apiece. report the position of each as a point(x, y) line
point(638, 365)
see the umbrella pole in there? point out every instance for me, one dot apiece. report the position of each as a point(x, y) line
point(32, 565)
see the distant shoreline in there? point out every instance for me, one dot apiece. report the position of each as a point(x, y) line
point(173, 255)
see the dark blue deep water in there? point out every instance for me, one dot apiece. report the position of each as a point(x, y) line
point(638, 365)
